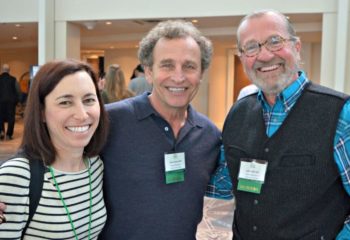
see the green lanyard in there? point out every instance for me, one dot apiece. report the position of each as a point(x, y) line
point(65, 206)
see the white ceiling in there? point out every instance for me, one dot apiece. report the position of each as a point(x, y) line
point(127, 33)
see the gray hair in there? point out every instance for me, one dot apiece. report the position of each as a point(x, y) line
point(173, 29)
point(5, 68)
point(257, 14)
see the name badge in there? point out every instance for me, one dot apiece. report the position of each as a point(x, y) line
point(174, 167)
point(251, 175)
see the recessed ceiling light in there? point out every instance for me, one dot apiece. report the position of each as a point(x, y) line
point(194, 20)
point(108, 23)
point(18, 25)
point(14, 38)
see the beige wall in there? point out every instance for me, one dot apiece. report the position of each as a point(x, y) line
point(111, 9)
point(126, 58)
point(19, 60)
point(217, 83)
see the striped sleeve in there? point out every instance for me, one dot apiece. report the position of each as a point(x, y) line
point(14, 189)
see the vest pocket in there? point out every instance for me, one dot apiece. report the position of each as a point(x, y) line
point(297, 160)
point(235, 151)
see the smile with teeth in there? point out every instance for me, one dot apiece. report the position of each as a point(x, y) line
point(176, 89)
point(269, 68)
point(78, 129)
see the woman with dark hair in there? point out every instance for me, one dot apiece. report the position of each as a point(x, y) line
point(65, 127)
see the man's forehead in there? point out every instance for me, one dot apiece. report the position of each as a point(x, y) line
point(168, 48)
point(168, 40)
point(268, 25)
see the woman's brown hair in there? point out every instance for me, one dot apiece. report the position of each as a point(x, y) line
point(115, 84)
point(36, 142)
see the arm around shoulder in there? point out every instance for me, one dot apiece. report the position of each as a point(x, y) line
point(14, 190)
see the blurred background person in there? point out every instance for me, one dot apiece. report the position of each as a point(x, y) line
point(102, 86)
point(2, 129)
point(247, 90)
point(101, 81)
point(8, 101)
point(115, 88)
point(137, 71)
point(23, 91)
point(139, 84)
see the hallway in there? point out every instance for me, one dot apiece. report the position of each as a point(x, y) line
point(9, 147)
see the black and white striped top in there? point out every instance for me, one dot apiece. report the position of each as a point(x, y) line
point(50, 220)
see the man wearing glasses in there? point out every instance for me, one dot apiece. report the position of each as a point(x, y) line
point(288, 145)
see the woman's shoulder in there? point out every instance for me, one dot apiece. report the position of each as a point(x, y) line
point(15, 176)
point(96, 163)
point(17, 166)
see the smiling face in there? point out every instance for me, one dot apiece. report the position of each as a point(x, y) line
point(72, 112)
point(175, 75)
point(270, 71)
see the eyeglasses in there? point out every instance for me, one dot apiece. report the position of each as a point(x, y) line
point(273, 44)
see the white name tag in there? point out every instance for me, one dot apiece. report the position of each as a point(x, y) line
point(174, 161)
point(252, 169)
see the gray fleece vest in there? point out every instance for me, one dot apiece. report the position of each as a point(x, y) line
point(302, 197)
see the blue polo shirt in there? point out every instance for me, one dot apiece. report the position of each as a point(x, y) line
point(140, 205)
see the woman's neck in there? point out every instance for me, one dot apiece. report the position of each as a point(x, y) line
point(69, 162)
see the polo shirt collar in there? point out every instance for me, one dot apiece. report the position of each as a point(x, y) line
point(144, 109)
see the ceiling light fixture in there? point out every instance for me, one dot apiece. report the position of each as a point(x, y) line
point(90, 25)
point(15, 38)
point(108, 23)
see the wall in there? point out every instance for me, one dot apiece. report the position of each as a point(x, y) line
point(66, 10)
point(19, 11)
point(19, 60)
point(126, 58)
point(111, 9)
point(217, 83)
point(316, 62)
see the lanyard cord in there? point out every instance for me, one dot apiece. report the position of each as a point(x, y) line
point(65, 206)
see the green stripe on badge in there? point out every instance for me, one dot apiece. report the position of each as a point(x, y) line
point(249, 186)
point(175, 176)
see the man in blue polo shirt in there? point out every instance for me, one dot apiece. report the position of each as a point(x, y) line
point(161, 152)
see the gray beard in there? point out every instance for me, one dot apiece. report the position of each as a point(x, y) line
point(283, 81)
